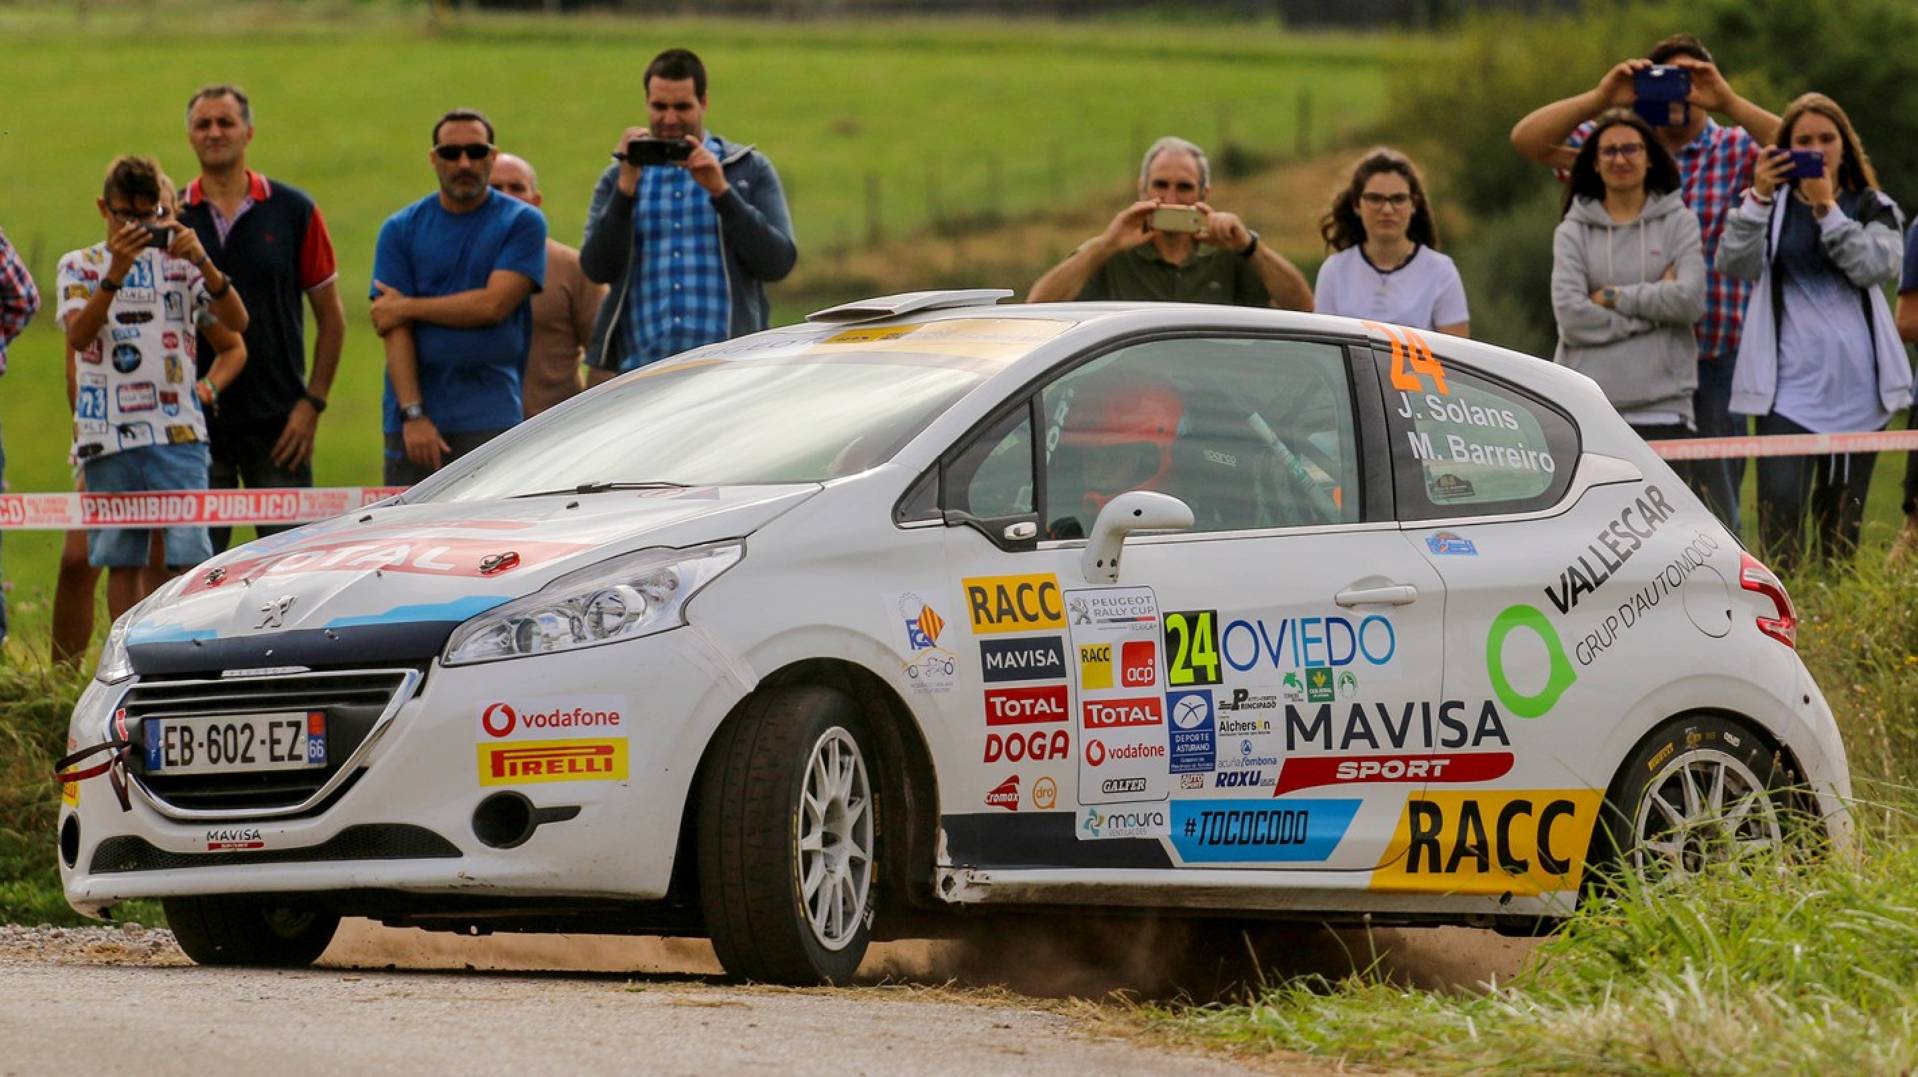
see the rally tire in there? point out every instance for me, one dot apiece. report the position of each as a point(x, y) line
point(766, 922)
point(1702, 789)
point(248, 931)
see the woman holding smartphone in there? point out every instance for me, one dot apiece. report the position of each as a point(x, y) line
point(1821, 352)
point(1628, 277)
point(1385, 265)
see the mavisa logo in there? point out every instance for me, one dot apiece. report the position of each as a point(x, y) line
point(1005, 794)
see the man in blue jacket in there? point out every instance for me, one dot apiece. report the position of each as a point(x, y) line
point(689, 245)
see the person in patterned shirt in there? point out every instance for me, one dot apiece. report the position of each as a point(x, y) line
point(130, 306)
point(1715, 164)
point(19, 299)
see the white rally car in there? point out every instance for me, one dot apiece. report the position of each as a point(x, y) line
point(929, 607)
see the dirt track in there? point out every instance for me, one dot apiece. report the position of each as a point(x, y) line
point(95, 1000)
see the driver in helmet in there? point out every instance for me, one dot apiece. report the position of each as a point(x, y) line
point(1117, 437)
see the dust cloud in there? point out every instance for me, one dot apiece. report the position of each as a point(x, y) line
point(1051, 957)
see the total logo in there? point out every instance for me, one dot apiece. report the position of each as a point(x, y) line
point(1117, 713)
point(1005, 794)
point(1097, 753)
point(1025, 706)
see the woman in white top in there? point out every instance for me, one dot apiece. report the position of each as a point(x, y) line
point(1385, 264)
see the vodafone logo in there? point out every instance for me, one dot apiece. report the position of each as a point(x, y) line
point(1095, 752)
point(499, 720)
point(541, 718)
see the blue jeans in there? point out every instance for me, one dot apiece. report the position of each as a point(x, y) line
point(150, 467)
point(1718, 481)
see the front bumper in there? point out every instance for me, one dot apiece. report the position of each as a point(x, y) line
point(405, 822)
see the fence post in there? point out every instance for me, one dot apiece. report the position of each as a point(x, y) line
point(875, 229)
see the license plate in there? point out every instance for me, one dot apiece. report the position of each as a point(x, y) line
point(236, 744)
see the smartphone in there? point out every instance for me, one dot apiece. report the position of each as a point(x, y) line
point(1806, 164)
point(159, 236)
point(1662, 91)
point(657, 151)
point(1185, 219)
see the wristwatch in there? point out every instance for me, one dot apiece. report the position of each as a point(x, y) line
point(319, 402)
point(413, 411)
point(1251, 248)
point(1611, 295)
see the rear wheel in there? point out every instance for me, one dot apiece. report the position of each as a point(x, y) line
point(1703, 790)
point(249, 931)
point(787, 859)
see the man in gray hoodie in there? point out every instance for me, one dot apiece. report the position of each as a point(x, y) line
point(688, 245)
point(1628, 278)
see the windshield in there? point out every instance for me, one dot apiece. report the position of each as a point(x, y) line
point(716, 423)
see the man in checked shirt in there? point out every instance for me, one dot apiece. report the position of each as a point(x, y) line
point(1715, 165)
point(19, 299)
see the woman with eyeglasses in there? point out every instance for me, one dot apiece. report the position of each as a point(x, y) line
point(1385, 265)
point(1628, 277)
point(1820, 351)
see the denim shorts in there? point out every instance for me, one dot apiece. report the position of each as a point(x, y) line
point(150, 467)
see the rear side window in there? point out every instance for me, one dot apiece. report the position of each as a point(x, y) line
point(1465, 445)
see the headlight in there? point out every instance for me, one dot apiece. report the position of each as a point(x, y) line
point(633, 595)
point(115, 664)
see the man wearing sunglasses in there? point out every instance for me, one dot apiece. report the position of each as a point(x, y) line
point(270, 238)
point(451, 277)
point(689, 240)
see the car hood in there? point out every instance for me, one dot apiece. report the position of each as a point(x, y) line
point(391, 582)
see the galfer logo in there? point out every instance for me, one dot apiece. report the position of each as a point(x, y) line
point(1122, 785)
point(1005, 794)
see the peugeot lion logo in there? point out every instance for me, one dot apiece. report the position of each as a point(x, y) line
point(273, 614)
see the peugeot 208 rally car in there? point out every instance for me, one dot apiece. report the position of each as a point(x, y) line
point(928, 605)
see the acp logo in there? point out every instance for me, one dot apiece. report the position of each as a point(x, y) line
point(1559, 674)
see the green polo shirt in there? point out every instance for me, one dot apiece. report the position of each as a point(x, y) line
point(1209, 276)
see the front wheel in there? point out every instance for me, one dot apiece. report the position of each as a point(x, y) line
point(248, 931)
point(786, 829)
point(1703, 790)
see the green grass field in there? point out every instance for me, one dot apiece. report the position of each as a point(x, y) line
point(1009, 118)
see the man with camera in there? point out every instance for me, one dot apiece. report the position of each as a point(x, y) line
point(451, 277)
point(1171, 247)
point(130, 307)
point(564, 309)
point(272, 241)
point(687, 227)
point(1675, 88)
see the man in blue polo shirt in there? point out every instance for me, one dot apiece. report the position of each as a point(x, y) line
point(451, 277)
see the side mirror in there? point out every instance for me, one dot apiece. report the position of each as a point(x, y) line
point(1140, 510)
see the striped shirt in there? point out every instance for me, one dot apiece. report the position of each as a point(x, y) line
point(19, 299)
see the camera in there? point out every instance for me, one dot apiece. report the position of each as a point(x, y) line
point(657, 151)
point(159, 236)
point(1662, 91)
point(1184, 219)
point(1806, 164)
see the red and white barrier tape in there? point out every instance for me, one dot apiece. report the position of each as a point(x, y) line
point(1786, 445)
point(176, 508)
point(226, 508)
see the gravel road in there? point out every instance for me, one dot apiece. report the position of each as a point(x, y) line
point(386, 1001)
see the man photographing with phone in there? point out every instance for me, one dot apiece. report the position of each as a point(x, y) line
point(1675, 88)
point(1171, 246)
point(687, 227)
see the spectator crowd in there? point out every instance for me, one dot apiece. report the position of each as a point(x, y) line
point(1706, 275)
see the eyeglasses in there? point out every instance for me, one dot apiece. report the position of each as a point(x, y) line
point(472, 151)
point(1374, 200)
point(132, 216)
point(1623, 151)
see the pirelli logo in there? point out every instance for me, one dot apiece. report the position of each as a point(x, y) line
point(527, 762)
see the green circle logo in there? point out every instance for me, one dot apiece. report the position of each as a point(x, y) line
point(1560, 675)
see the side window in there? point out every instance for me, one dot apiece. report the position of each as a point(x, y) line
point(1465, 445)
point(1251, 433)
point(992, 476)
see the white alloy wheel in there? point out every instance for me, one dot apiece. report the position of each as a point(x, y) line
point(835, 839)
point(1704, 807)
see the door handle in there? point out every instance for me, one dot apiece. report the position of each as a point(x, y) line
point(1392, 594)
